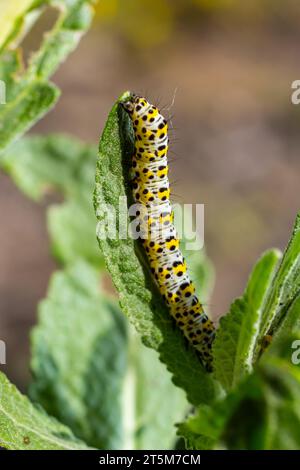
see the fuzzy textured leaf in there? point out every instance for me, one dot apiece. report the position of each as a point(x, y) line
point(261, 413)
point(283, 290)
point(289, 325)
point(40, 165)
point(17, 116)
point(85, 376)
point(72, 231)
point(79, 357)
point(149, 424)
point(26, 427)
point(234, 344)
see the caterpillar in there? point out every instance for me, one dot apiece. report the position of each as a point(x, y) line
point(151, 190)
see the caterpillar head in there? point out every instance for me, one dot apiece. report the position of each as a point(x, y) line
point(135, 104)
point(130, 104)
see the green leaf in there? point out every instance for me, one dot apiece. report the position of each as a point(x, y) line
point(13, 18)
point(284, 289)
point(281, 382)
point(24, 426)
point(39, 164)
point(262, 413)
point(234, 344)
point(79, 357)
point(72, 231)
point(17, 116)
point(74, 20)
point(108, 395)
point(10, 67)
point(139, 298)
point(148, 423)
point(291, 320)
point(202, 431)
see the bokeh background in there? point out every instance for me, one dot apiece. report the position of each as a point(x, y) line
point(235, 145)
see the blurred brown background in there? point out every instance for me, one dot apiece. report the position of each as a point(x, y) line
point(236, 139)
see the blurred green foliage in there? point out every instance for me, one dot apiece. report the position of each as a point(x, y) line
point(261, 412)
point(30, 94)
point(42, 166)
point(24, 426)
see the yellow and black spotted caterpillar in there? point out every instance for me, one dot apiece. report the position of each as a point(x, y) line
point(151, 190)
